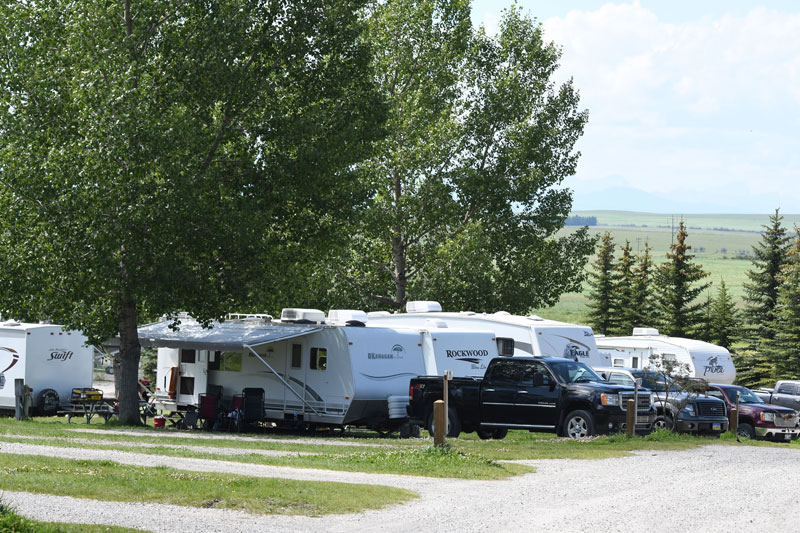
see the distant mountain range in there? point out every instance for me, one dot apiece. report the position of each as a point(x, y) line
point(630, 199)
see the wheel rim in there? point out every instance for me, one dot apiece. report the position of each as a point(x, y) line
point(742, 433)
point(577, 427)
point(661, 424)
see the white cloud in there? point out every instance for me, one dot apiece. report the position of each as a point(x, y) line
point(693, 106)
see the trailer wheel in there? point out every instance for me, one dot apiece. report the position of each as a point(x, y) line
point(47, 402)
point(454, 424)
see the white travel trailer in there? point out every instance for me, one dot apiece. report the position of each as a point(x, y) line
point(703, 360)
point(516, 335)
point(51, 361)
point(312, 373)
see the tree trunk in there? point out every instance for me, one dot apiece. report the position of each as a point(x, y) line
point(129, 353)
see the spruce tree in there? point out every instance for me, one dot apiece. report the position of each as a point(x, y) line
point(642, 307)
point(602, 300)
point(784, 348)
point(761, 291)
point(678, 286)
point(724, 323)
point(625, 281)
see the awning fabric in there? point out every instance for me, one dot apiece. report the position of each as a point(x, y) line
point(227, 336)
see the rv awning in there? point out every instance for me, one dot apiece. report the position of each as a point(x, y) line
point(227, 336)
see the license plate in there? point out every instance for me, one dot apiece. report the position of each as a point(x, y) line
point(717, 427)
point(788, 436)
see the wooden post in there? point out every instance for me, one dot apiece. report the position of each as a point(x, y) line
point(630, 422)
point(447, 376)
point(439, 422)
point(733, 420)
point(19, 394)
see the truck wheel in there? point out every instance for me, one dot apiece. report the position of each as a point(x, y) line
point(663, 422)
point(579, 424)
point(499, 433)
point(746, 430)
point(454, 424)
point(485, 434)
point(47, 402)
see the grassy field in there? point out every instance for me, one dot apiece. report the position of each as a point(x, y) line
point(731, 222)
point(724, 254)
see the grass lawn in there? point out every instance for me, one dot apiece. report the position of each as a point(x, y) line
point(14, 523)
point(110, 481)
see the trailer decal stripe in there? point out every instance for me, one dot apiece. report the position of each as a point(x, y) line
point(14, 358)
point(393, 376)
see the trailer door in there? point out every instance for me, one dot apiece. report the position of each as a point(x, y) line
point(295, 372)
point(193, 378)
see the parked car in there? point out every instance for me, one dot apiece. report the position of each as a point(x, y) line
point(785, 393)
point(537, 394)
point(758, 420)
point(686, 412)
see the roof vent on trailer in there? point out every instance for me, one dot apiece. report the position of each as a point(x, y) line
point(423, 307)
point(341, 316)
point(645, 332)
point(11, 323)
point(378, 314)
point(302, 316)
point(437, 323)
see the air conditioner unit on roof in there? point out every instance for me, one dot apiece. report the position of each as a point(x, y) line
point(645, 332)
point(423, 307)
point(343, 315)
point(294, 314)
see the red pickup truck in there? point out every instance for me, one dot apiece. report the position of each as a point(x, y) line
point(758, 420)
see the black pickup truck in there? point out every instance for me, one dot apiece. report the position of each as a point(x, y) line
point(538, 394)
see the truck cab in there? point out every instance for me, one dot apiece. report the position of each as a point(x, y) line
point(686, 412)
point(758, 420)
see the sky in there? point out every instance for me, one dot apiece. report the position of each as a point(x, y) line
point(694, 107)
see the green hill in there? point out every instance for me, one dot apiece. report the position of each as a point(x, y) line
point(722, 244)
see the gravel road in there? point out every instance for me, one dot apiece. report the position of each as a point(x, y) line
point(714, 488)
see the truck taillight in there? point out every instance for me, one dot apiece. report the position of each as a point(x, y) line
point(410, 390)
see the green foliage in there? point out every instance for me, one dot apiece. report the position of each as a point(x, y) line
point(465, 205)
point(761, 291)
point(625, 283)
point(602, 287)
point(725, 320)
point(784, 349)
point(166, 156)
point(677, 289)
point(754, 369)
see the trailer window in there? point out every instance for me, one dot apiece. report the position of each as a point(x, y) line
point(505, 347)
point(319, 359)
point(187, 385)
point(297, 355)
point(634, 362)
point(618, 363)
point(228, 361)
point(188, 356)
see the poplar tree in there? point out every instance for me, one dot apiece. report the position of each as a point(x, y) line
point(602, 298)
point(679, 283)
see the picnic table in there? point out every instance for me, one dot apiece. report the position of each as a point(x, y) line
point(89, 407)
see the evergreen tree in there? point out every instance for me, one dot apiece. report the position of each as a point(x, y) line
point(724, 322)
point(602, 301)
point(784, 348)
point(625, 281)
point(677, 282)
point(642, 307)
point(704, 331)
point(761, 292)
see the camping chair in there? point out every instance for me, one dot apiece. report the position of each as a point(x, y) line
point(208, 410)
point(190, 420)
point(253, 405)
